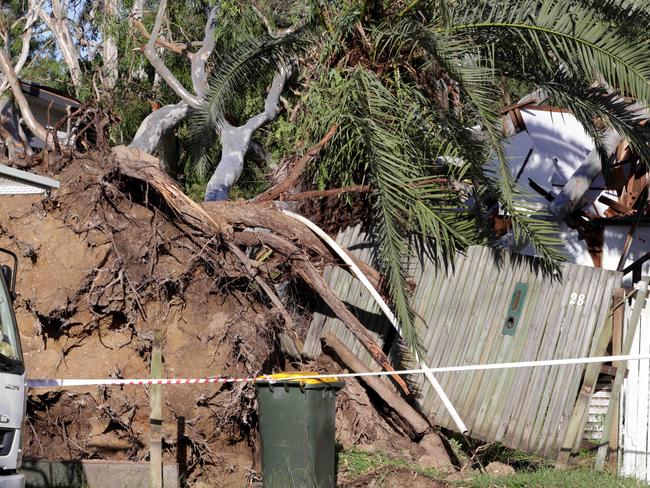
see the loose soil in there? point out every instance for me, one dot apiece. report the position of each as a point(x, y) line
point(103, 264)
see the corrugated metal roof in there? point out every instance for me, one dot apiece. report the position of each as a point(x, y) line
point(49, 94)
point(463, 311)
point(16, 182)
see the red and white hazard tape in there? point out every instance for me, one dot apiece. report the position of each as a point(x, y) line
point(55, 383)
point(145, 381)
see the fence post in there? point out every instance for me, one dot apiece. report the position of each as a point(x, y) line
point(155, 416)
point(617, 348)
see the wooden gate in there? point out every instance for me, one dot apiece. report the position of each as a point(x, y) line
point(635, 405)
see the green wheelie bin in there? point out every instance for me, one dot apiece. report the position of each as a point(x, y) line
point(297, 430)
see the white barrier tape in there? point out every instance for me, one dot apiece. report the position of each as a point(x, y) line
point(387, 311)
point(267, 378)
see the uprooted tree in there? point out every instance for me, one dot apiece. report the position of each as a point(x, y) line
point(397, 101)
point(135, 163)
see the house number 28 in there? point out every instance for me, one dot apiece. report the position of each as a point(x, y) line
point(577, 299)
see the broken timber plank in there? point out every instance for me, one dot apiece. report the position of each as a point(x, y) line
point(632, 232)
point(618, 319)
point(614, 205)
point(415, 420)
point(581, 408)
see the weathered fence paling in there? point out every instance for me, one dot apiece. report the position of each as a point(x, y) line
point(490, 308)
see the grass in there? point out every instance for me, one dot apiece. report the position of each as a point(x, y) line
point(551, 478)
point(355, 464)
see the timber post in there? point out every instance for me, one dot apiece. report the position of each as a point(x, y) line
point(155, 416)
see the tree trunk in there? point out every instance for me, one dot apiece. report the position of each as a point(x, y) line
point(159, 124)
point(234, 142)
point(9, 127)
point(417, 424)
point(110, 53)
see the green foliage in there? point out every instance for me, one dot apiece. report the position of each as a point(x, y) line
point(388, 137)
point(236, 89)
point(355, 463)
point(414, 88)
point(368, 83)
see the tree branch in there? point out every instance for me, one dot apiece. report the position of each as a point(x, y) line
point(267, 25)
point(57, 22)
point(290, 338)
point(296, 170)
point(9, 127)
point(109, 50)
point(175, 47)
point(328, 193)
point(272, 101)
point(160, 67)
point(37, 129)
point(199, 59)
point(157, 125)
point(314, 280)
point(26, 36)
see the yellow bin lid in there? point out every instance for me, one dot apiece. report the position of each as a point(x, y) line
point(290, 376)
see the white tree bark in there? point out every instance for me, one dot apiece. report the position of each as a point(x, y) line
point(199, 59)
point(58, 23)
point(110, 55)
point(8, 70)
point(235, 142)
point(9, 127)
point(152, 55)
point(161, 122)
point(26, 37)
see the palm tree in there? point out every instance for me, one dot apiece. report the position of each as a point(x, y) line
point(415, 90)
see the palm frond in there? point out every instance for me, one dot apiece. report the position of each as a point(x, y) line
point(564, 34)
point(392, 138)
point(248, 66)
point(587, 103)
point(475, 74)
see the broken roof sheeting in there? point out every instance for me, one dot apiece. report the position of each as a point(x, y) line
point(547, 147)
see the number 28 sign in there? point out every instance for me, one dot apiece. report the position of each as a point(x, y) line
point(577, 299)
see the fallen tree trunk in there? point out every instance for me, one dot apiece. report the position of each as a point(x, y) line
point(417, 423)
point(250, 214)
point(218, 219)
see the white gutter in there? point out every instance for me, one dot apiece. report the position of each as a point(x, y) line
point(27, 178)
point(387, 311)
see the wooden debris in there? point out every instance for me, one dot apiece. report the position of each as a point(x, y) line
point(417, 423)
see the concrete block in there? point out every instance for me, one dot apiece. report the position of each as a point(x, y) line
point(94, 474)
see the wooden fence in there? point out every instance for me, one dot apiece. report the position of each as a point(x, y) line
point(489, 308)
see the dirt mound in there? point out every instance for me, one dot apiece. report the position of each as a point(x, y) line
point(99, 272)
point(103, 263)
